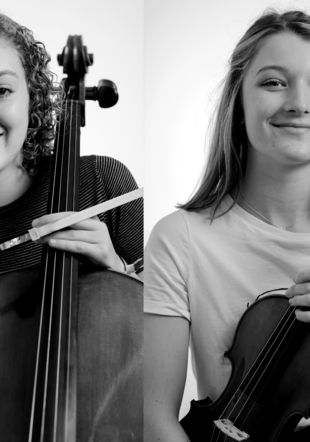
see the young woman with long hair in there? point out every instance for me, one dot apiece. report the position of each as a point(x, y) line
point(245, 231)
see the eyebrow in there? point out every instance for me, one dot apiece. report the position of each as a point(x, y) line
point(8, 72)
point(272, 66)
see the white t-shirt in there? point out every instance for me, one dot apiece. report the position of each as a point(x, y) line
point(209, 274)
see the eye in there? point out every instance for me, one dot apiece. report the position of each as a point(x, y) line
point(274, 83)
point(4, 91)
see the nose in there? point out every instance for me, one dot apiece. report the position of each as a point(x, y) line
point(298, 100)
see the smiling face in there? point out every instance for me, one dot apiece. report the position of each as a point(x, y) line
point(14, 107)
point(276, 100)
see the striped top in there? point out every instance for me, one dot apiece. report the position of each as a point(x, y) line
point(101, 178)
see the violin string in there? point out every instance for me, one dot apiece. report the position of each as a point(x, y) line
point(243, 384)
point(264, 353)
point(275, 335)
point(219, 432)
point(261, 355)
point(293, 320)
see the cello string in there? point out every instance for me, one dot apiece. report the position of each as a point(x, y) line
point(59, 331)
point(58, 167)
point(67, 205)
point(69, 324)
point(69, 419)
point(56, 201)
point(62, 283)
point(70, 404)
point(34, 403)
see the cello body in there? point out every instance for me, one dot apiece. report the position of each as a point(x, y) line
point(265, 403)
point(109, 355)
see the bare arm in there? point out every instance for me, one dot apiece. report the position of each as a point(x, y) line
point(166, 342)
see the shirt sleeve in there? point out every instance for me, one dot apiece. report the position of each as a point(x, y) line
point(165, 275)
point(125, 223)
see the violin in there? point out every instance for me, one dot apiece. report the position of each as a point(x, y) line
point(269, 388)
point(70, 336)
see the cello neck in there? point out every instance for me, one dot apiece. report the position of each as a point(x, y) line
point(64, 192)
point(53, 414)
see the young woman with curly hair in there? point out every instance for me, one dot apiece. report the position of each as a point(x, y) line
point(30, 103)
point(245, 231)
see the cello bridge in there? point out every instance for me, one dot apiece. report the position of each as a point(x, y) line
point(228, 428)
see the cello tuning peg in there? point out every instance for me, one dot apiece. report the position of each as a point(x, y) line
point(106, 93)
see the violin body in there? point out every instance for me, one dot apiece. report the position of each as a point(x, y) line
point(264, 402)
point(109, 355)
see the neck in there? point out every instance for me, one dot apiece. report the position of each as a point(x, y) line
point(280, 193)
point(13, 184)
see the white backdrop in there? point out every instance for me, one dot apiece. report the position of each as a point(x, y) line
point(187, 46)
point(167, 58)
point(113, 31)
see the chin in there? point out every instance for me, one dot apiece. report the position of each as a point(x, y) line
point(297, 159)
point(293, 154)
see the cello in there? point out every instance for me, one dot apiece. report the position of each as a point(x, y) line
point(71, 337)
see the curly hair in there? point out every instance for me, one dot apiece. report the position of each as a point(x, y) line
point(44, 97)
point(228, 147)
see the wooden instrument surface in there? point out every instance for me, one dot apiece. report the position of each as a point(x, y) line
point(109, 355)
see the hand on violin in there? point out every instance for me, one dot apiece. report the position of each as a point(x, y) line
point(89, 238)
point(299, 295)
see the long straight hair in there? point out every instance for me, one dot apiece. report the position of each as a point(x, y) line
point(227, 158)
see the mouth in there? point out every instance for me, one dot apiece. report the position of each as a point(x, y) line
point(292, 125)
point(292, 128)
